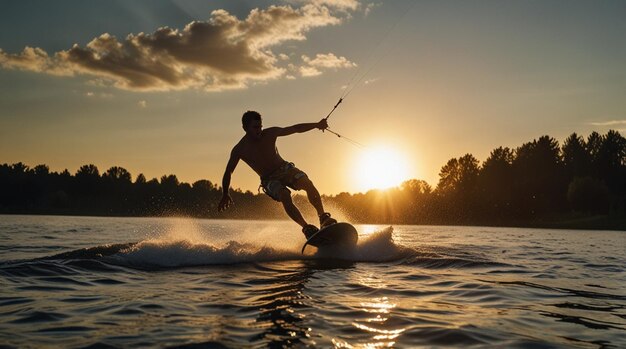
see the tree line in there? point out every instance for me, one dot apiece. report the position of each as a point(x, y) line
point(539, 180)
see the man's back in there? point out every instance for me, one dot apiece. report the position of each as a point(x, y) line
point(260, 153)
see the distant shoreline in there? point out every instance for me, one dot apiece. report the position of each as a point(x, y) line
point(597, 222)
point(579, 184)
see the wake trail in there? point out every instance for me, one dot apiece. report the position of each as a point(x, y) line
point(173, 252)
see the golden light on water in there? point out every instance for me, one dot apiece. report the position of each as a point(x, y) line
point(381, 167)
point(368, 229)
point(383, 337)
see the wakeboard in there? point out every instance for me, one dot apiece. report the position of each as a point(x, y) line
point(342, 233)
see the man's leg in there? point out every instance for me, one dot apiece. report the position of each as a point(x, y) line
point(312, 194)
point(290, 208)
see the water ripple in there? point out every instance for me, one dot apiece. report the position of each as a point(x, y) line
point(231, 286)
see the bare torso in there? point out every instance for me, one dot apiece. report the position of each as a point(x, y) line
point(260, 154)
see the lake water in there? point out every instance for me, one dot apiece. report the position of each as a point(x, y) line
point(75, 282)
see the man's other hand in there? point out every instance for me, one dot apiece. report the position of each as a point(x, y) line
point(323, 124)
point(225, 202)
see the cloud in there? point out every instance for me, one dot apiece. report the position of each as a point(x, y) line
point(352, 5)
point(223, 52)
point(609, 123)
point(33, 59)
point(142, 104)
point(343, 5)
point(307, 71)
point(312, 66)
point(370, 81)
point(328, 60)
point(369, 8)
point(91, 94)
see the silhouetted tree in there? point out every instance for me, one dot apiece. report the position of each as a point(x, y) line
point(576, 157)
point(469, 173)
point(611, 158)
point(169, 181)
point(415, 201)
point(538, 177)
point(416, 187)
point(88, 171)
point(141, 179)
point(117, 174)
point(588, 195)
point(495, 183)
point(458, 175)
point(449, 176)
point(19, 168)
point(87, 184)
point(593, 144)
point(457, 188)
point(610, 163)
point(537, 181)
point(41, 170)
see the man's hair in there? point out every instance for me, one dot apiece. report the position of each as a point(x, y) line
point(248, 117)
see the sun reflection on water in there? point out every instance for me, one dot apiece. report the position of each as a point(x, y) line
point(367, 229)
point(383, 335)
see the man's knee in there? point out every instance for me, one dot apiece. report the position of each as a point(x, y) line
point(305, 183)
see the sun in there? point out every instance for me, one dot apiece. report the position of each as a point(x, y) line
point(381, 168)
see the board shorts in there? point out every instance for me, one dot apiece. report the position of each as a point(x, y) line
point(284, 176)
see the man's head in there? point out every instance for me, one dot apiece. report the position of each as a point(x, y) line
point(252, 123)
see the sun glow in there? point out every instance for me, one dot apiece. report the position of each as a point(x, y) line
point(381, 168)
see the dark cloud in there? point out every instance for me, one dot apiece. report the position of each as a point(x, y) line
point(220, 53)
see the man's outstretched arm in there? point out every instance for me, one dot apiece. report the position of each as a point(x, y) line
point(230, 167)
point(299, 128)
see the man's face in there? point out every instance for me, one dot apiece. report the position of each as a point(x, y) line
point(254, 128)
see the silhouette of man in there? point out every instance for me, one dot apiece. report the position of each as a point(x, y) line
point(257, 148)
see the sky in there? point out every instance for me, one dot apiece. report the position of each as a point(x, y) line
point(158, 87)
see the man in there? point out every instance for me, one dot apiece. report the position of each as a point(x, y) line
point(257, 148)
